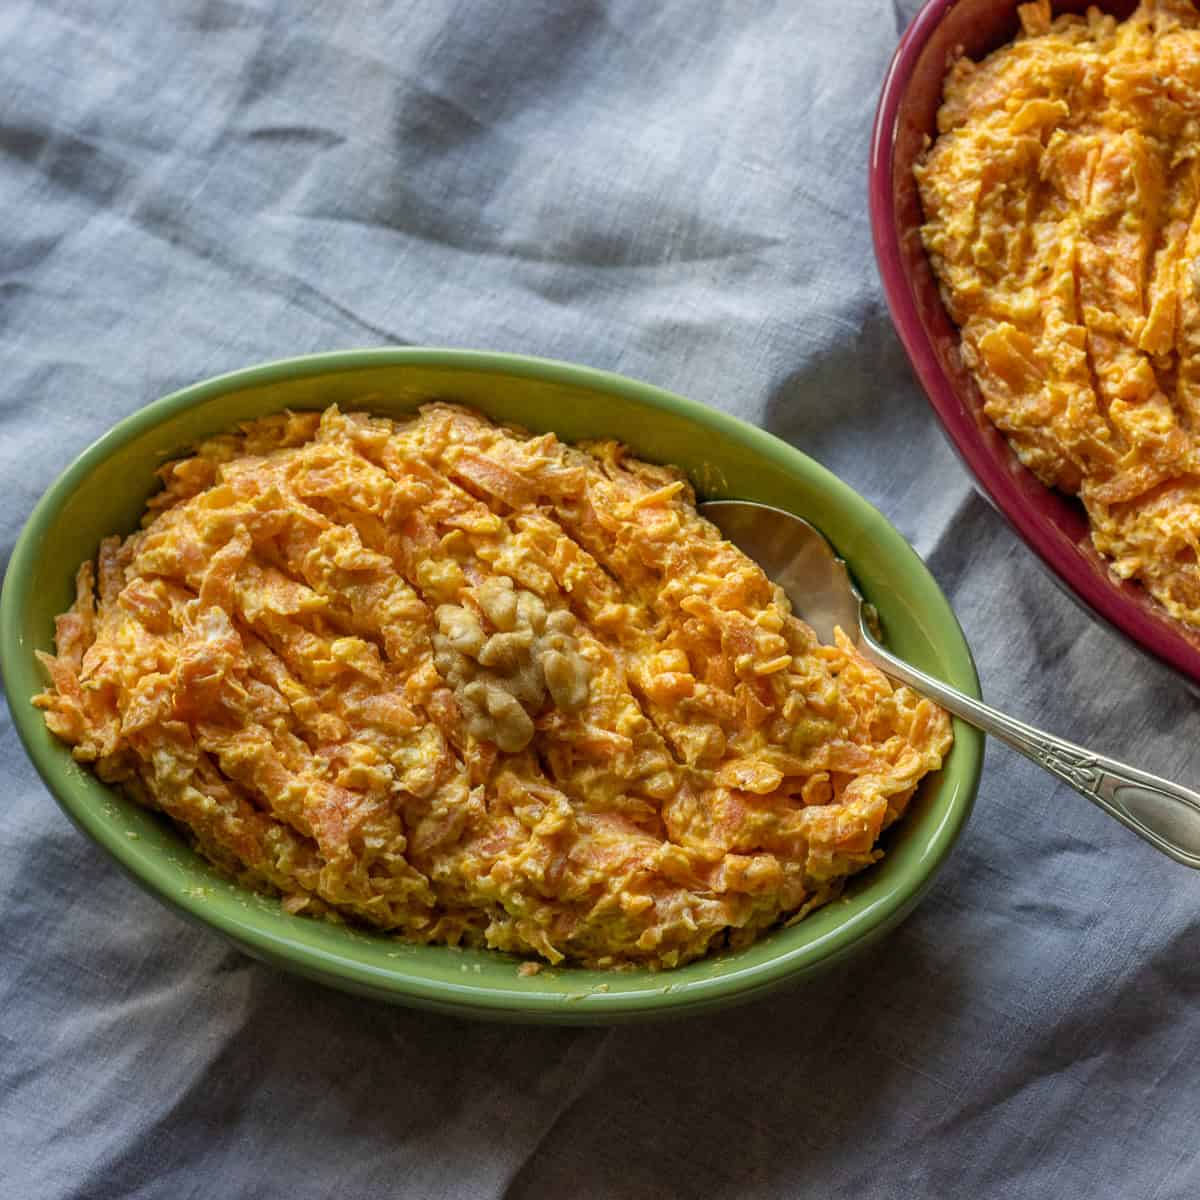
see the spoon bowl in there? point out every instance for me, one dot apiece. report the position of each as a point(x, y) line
point(797, 557)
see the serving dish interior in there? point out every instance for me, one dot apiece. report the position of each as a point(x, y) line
point(1054, 525)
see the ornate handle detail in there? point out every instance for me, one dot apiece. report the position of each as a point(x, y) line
point(1162, 813)
point(1076, 767)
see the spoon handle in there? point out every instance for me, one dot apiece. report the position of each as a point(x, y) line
point(1163, 813)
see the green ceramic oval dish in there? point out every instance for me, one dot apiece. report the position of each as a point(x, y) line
point(105, 489)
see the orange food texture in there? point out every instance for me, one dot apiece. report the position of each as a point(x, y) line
point(1062, 218)
point(258, 662)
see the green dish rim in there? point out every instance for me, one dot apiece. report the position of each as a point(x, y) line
point(660, 997)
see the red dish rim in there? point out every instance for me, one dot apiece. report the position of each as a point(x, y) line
point(1123, 606)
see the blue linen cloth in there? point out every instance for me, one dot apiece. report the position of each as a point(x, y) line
point(676, 191)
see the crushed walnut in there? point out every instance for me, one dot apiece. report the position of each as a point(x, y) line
point(503, 655)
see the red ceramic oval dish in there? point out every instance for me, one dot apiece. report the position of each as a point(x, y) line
point(1052, 525)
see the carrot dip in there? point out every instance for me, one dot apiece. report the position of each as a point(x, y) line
point(475, 686)
point(1062, 218)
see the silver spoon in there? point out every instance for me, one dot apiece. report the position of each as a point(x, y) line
point(798, 558)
